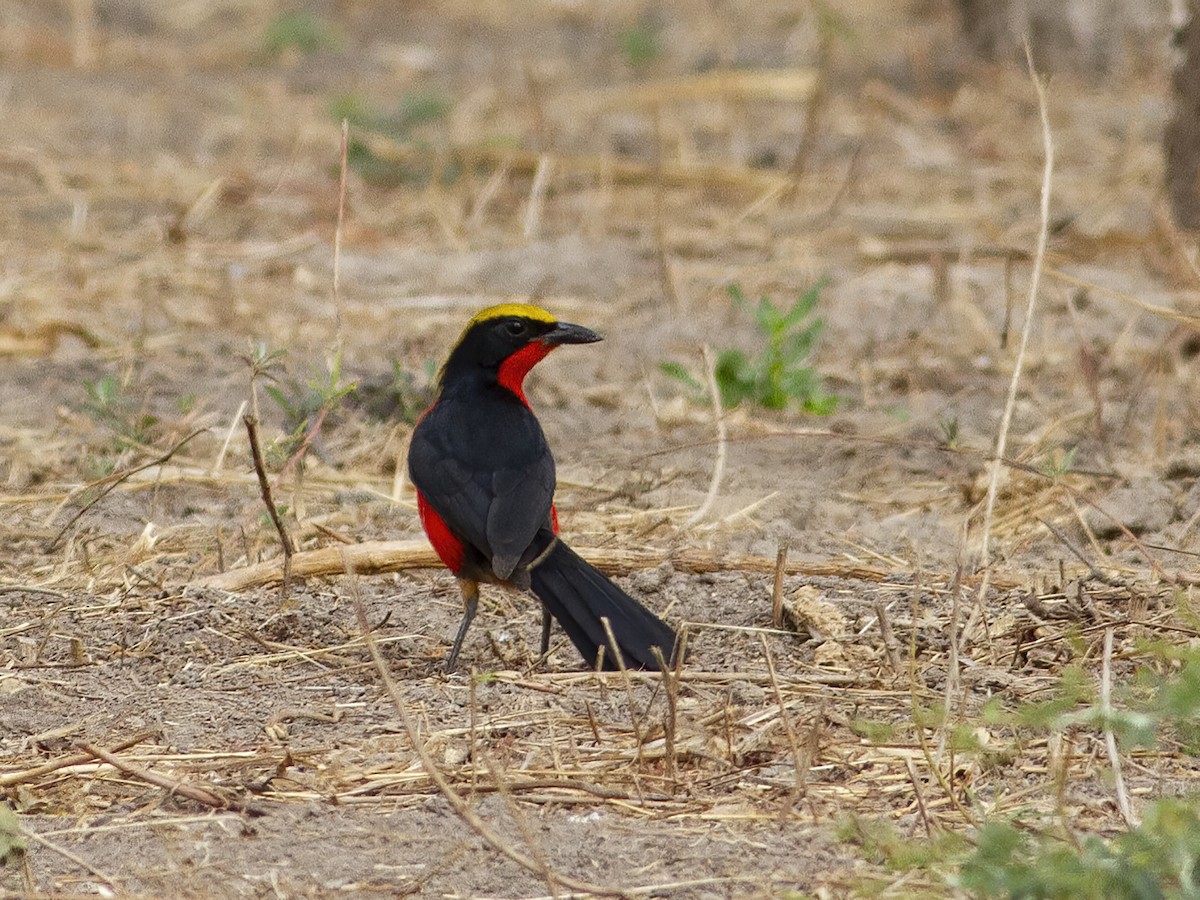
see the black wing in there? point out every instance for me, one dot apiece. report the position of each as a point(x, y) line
point(489, 475)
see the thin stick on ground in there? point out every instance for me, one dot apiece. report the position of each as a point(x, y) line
point(191, 792)
point(469, 816)
point(109, 483)
point(714, 486)
point(69, 855)
point(888, 637)
point(264, 486)
point(380, 557)
point(1010, 403)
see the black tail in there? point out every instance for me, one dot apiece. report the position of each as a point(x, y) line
point(579, 597)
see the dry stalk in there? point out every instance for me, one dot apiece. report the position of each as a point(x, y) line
point(888, 637)
point(798, 758)
point(670, 677)
point(919, 794)
point(1026, 328)
point(537, 195)
point(714, 485)
point(460, 806)
point(954, 664)
point(777, 587)
point(264, 486)
point(1076, 552)
point(219, 462)
point(1163, 312)
point(640, 731)
point(1110, 739)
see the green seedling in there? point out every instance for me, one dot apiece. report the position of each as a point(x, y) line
point(777, 376)
point(401, 396)
point(301, 31)
point(109, 405)
point(414, 109)
point(305, 405)
point(641, 44)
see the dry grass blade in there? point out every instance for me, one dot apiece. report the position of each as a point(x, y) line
point(1110, 739)
point(264, 486)
point(785, 85)
point(714, 485)
point(1010, 403)
point(73, 857)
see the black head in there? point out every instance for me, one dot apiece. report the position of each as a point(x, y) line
point(514, 336)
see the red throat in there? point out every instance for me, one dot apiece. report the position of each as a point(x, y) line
point(514, 369)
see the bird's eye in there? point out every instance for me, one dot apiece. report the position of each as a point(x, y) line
point(516, 328)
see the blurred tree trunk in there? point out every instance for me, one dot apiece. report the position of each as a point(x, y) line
point(1182, 139)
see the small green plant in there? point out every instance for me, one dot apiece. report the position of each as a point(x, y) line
point(948, 426)
point(12, 842)
point(1160, 858)
point(305, 405)
point(1058, 462)
point(300, 31)
point(109, 405)
point(414, 109)
point(641, 44)
point(403, 395)
point(778, 375)
point(882, 844)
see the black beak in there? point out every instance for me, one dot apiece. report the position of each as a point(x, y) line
point(566, 333)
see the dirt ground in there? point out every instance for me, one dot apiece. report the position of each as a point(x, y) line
point(171, 205)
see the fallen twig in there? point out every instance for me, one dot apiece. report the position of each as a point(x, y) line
point(379, 557)
point(169, 784)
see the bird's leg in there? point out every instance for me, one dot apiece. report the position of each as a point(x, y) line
point(546, 623)
point(470, 592)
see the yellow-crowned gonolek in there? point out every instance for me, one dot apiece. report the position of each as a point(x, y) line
point(485, 489)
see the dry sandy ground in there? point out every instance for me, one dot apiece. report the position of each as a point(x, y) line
point(172, 204)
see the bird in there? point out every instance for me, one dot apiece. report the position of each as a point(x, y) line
point(485, 480)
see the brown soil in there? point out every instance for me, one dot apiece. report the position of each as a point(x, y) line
point(171, 203)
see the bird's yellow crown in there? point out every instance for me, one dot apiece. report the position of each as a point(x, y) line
point(524, 310)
